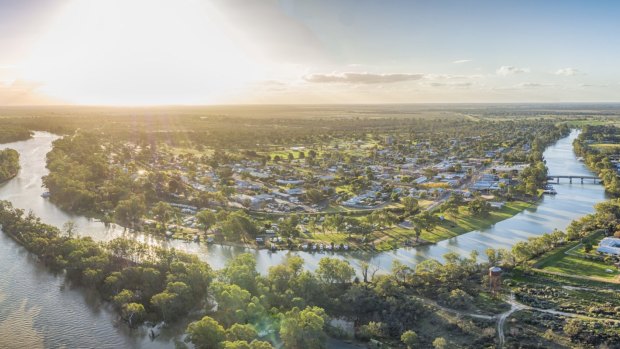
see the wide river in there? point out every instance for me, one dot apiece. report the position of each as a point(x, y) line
point(40, 310)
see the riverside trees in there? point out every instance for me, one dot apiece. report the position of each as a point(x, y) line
point(9, 164)
point(149, 283)
point(597, 158)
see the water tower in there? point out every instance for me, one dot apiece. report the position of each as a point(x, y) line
point(495, 279)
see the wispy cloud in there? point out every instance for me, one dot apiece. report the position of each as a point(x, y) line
point(451, 84)
point(532, 84)
point(461, 61)
point(525, 86)
point(450, 77)
point(361, 78)
point(511, 70)
point(567, 71)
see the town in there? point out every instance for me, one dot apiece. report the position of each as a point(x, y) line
point(373, 191)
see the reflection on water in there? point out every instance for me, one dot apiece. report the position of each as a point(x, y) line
point(17, 329)
point(41, 307)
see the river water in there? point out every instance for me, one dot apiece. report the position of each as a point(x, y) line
point(40, 310)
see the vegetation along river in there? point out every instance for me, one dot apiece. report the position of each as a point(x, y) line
point(39, 310)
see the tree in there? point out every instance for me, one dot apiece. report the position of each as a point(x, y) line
point(133, 313)
point(335, 221)
point(479, 206)
point(206, 219)
point(573, 327)
point(175, 301)
point(587, 246)
point(315, 196)
point(163, 213)
point(206, 333)
point(440, 343)
point(409, 338)
point(256, 344)
point(70, 227)
point(372, 330)
point(335, 271)
point(235, 345)
point(239, 332)
point(237, 225)
point(232, 303)
point(410, 204)
point(241, 271)
point(423, 221)
point(303, 329)
point(129, 212)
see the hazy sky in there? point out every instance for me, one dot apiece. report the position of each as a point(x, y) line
point(143, 52)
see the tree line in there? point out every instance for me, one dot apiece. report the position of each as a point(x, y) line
point(9, 164)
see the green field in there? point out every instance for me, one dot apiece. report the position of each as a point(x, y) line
point(451, 227)
point(572, 260)
point(573, 265)
point(466, 222)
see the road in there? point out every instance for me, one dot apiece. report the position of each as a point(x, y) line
point(501, 318)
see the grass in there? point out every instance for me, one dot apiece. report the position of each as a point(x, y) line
point(572, 265)
point(576, 264)
point(605, 145)
point(395, 237)
point(466, 222)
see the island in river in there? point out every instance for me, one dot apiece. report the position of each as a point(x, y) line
point(9, 164)
point(373, 184)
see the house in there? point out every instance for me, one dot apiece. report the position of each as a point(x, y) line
point(609, 246)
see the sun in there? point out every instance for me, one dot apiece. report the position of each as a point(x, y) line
point(140, 52)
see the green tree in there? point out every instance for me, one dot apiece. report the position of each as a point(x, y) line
point(303, 329)
point(206, 219)
point(410, 205)
point(440, 343)
point(335, 271)
point(206, 333)
point(129, 212)
point(239, 332)
point(409, 338)
point(423, 221)
point(163, 213)
point(133, 313)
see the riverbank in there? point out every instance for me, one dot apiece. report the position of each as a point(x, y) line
point(399, 236)
point(9, 164)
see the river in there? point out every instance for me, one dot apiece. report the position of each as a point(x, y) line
point(40, 310)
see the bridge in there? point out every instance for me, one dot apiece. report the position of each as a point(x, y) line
point(570, 178)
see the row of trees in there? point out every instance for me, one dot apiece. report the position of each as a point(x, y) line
point(149, 283)
point(245, 309)
point(599, 160)
point(144, 282)
point(13, 133)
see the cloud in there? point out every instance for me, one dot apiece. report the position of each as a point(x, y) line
point(567, 72)
point(23, 93)
point(450, 77)
point(361, 78)
point(531, 84)
point(451, 85)
point(511, 70)
point(594, 85)
point(524, 86)
point(461, 61)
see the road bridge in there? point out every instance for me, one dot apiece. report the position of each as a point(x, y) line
point(570, 178)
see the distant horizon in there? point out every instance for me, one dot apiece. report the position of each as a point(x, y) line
point(155, 106)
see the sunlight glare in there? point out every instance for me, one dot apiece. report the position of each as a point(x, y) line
point(140, 52)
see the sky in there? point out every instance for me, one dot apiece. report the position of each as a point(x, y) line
point(193, 52)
